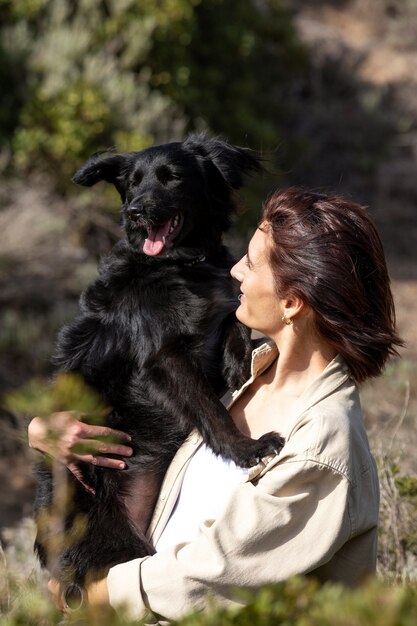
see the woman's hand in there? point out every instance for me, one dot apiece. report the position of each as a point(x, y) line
point(96, 595)
point(69, 440)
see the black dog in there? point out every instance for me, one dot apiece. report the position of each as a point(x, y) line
point(157, 336)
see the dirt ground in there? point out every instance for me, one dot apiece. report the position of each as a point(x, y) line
point(405, 296)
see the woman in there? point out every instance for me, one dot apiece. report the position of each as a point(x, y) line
point(314, 281)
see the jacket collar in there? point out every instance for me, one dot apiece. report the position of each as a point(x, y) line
point(262, 357)
point(333, 376)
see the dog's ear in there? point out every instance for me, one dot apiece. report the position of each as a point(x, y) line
point(103, 166)
point(233, 162)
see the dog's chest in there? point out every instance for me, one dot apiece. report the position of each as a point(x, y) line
point(163, 298)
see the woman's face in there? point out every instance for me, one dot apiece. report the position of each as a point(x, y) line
point(260, 307)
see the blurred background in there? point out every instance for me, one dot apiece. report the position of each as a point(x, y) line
point(327, 90)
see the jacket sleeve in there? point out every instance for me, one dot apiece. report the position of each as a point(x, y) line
point(291, 521)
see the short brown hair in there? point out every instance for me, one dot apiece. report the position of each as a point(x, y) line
point(326, 250)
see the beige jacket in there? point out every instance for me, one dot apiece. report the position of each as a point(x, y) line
point(311, 509)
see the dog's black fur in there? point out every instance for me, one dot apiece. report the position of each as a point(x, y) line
point(157, 336)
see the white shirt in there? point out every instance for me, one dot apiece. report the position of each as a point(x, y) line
point(206, 488)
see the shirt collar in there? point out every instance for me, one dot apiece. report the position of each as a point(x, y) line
point(262, 357)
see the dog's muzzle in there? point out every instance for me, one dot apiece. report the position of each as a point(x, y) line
point(135, 213)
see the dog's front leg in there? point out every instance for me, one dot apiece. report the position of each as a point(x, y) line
point(237, 352)
point(176, 382)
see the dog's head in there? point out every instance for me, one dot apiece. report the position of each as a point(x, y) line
point(175, 196)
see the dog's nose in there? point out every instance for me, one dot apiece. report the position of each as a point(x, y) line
point(134, 212)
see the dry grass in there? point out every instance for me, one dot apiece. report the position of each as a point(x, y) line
point(390, 409)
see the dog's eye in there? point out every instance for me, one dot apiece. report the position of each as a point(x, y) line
point(164, 174)
point(137, 176)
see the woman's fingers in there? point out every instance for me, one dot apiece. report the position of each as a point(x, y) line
point(54, 589)
point(95, 452)
point(94, 432)
point(94, 447)
point(65, 437)
point(101, 461)
point(104, 441)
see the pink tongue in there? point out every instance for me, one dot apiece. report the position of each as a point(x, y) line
point(154, 243)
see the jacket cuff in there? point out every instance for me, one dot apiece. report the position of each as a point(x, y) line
point(124, 588)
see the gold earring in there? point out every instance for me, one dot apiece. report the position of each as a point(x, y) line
point(286, 321)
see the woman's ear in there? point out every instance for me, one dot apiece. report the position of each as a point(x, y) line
point(293, 307)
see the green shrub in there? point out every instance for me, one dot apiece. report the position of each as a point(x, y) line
point(298, 602)
point(40, 397)
point(96, 74)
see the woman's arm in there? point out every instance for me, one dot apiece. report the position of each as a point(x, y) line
point(292, 522)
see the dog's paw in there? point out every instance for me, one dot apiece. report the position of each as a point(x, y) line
point(253, 450)
point(270, 443)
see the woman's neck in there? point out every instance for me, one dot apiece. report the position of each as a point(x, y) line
point(269, 402)
point(302, 358)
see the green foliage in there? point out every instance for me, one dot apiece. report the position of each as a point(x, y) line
point(42, 398)
point(407, 486)
point(29, 608)
point(298, 602)
point(301, 602)
point(59, 128)
point(229, 63)
point(86, 76)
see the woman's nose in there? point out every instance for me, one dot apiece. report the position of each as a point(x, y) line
point(235, 271)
